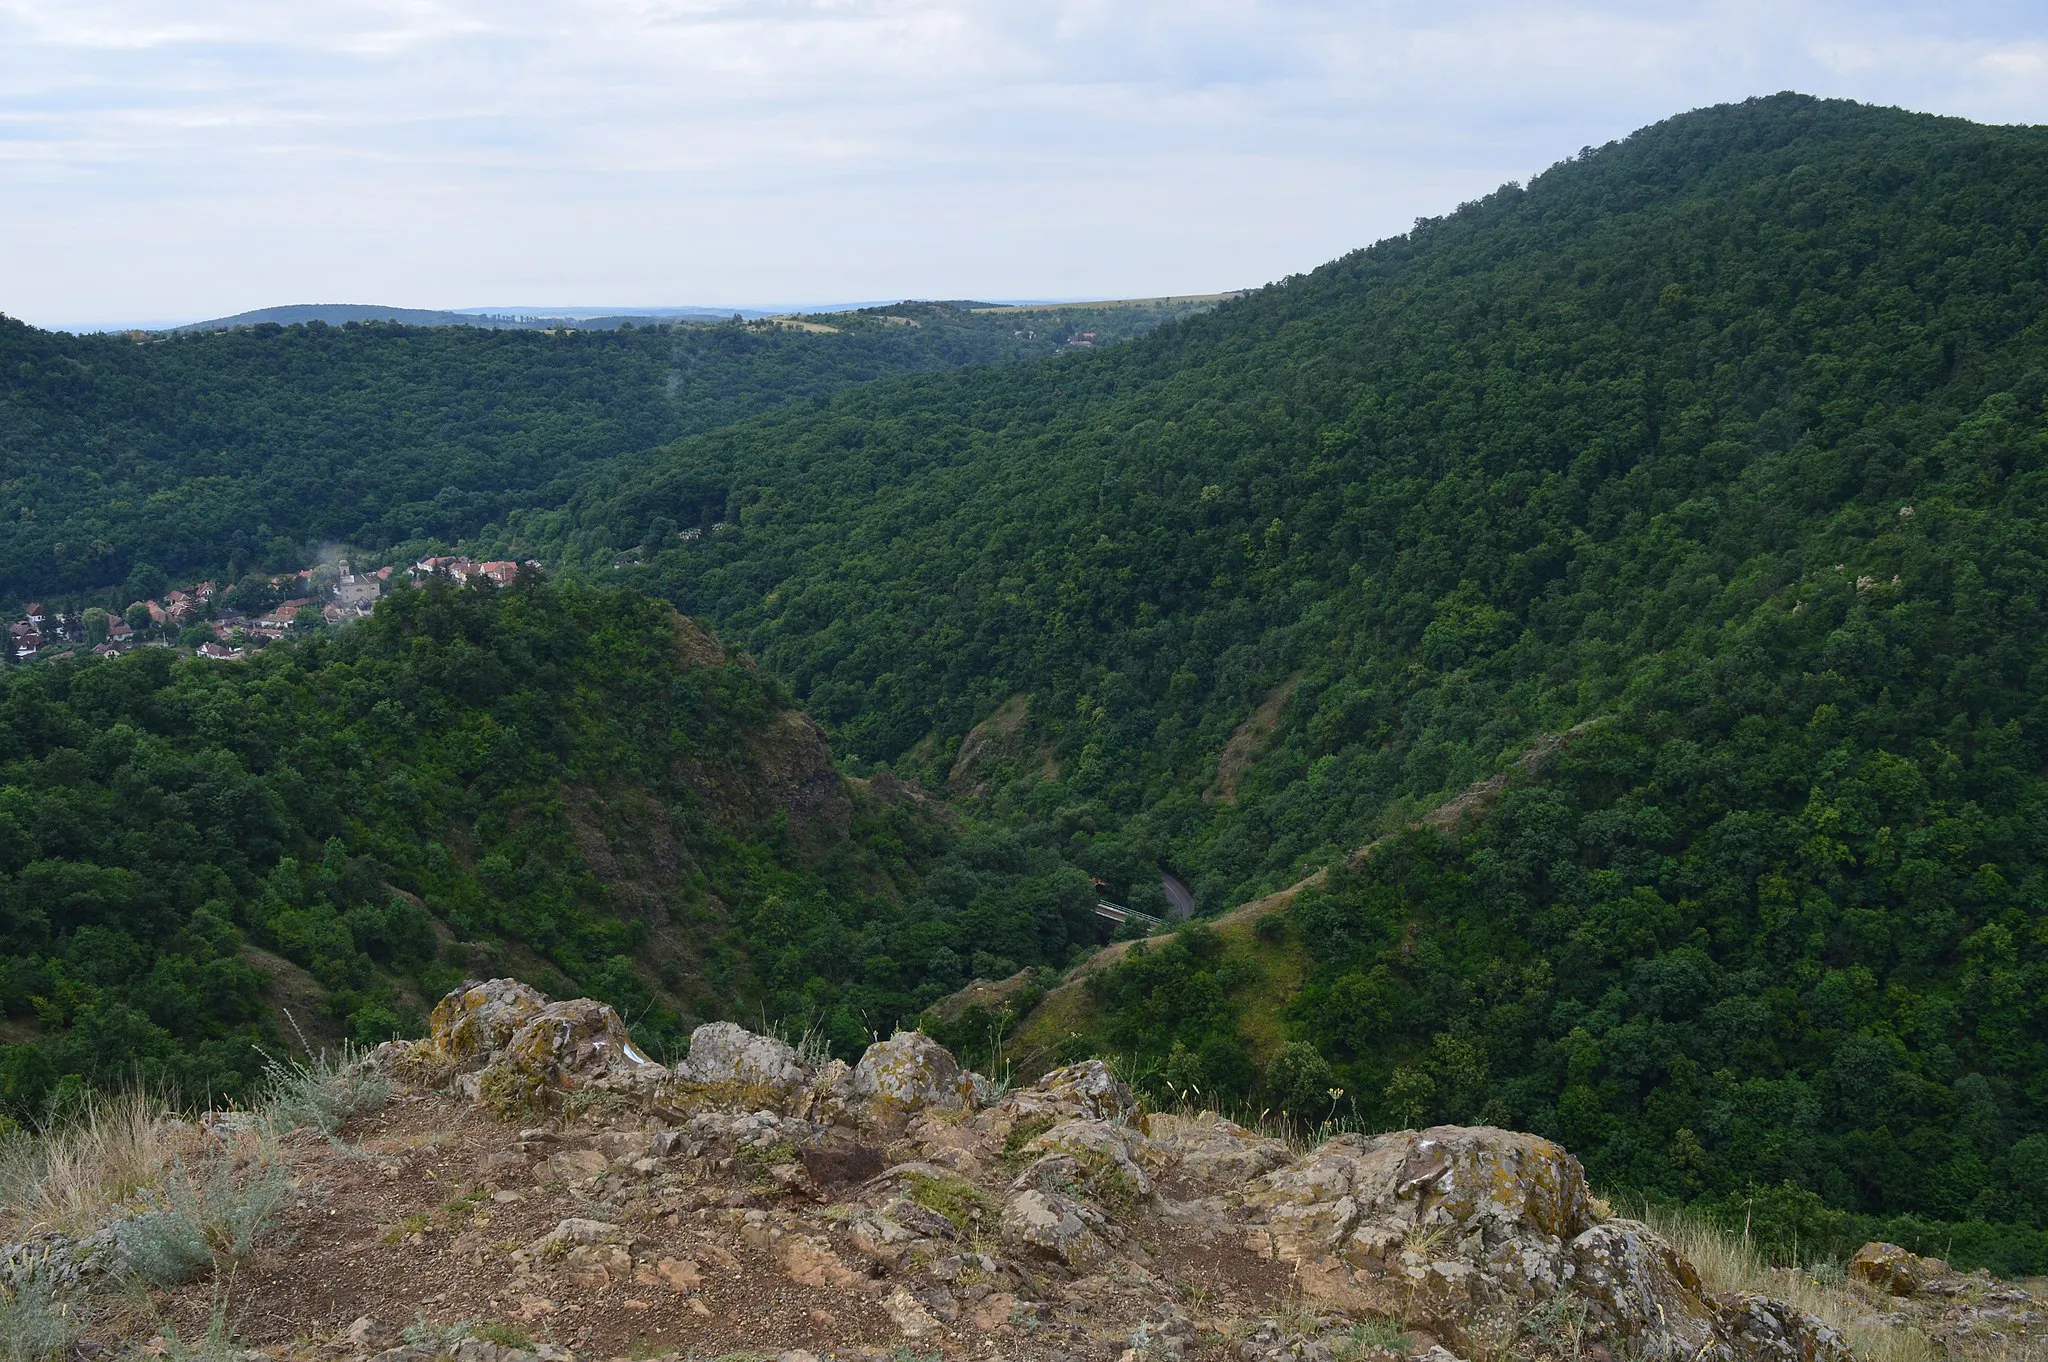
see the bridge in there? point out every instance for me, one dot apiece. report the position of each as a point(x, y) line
point(1117, 913)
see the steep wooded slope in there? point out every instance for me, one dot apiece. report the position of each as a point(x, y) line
point(566, 784)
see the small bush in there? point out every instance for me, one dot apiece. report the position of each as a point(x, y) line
point(1300, 1079)
point(36, 1323)
point(163, 1247)
point(322, 1093)
point(226, 1209)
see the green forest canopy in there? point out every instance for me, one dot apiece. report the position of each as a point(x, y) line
point(224, 453)
point(571, 784)
point(1729, 435)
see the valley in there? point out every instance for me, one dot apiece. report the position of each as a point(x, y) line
point(1644, 564)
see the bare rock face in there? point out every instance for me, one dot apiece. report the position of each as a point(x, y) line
point(1208, 1152)
point(1466, 1230)
point(910, 1072)
point(721, 1052)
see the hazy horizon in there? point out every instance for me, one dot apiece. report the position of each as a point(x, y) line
point(166, 164)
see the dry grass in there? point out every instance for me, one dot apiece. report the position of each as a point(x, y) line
point(1727, 1262)
point(72, 1176)
point(116, 1153)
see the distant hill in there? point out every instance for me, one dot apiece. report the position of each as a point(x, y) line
point(340, 314)
point(233, 447)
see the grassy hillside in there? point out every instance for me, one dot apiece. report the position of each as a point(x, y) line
point(577, 787)
point(222, 453)
point(1730, 435)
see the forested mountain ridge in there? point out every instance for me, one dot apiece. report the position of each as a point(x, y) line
point(1465, 482)
point(1730, 435)
point(577, 785)
point(225, 453)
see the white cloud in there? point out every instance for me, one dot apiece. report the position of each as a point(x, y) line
point(165, 159)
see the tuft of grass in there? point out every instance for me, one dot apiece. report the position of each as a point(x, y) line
point(410, 1225)
point(957, 1199)
point(217, 1344)
point(1729, 1262)
point(1372, 1335)
point(1024, 1132)
point(503, 1333)
point(76, 1172)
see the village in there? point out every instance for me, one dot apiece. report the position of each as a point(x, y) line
point(227, 624)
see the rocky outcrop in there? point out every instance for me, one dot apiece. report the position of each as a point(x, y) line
point(908, 1073)
point(1207, 1152)
point(950, 1206)
point(1965, 1312)
point(721, 1052)
point(1467, 1231)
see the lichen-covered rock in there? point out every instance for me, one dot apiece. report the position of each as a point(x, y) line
point(1053, 1228)
point(721, 1052)
point(59, 1263)
point(1166, 1335)
point(1758, 1329)
point(1103, 1150)
point(1208, 1151)
point(1466, 1231)
point(562, 1046)
point(909, 1315)
point(472, 1023)
point(1894, 1270)
point(910, 1072)
point(1632, 1282)
point(1089, 1090)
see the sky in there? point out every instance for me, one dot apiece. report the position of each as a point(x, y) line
point(171, 160)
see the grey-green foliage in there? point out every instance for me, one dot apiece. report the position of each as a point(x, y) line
point(321, 1093)
point(163, 1247)
point(224, 1208)
point(37, 1322)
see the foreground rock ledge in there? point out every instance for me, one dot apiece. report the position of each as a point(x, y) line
point(1059, 1219)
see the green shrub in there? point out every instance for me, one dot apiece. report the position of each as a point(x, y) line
point(322, 1093)
point(1299, 1080)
